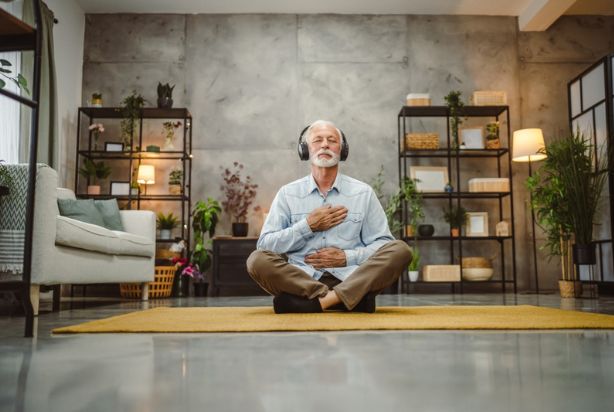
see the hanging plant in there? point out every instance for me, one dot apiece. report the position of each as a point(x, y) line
point(455, 104)
point(131, 111)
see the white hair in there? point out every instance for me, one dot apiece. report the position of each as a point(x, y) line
point(320, 123)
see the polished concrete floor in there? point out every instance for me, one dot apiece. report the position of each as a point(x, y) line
point(328, 371)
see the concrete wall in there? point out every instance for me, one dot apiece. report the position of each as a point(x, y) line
point(253, 81)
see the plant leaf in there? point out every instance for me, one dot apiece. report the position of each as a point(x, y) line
point(4, 70)
point(2, 84)
point(5, 62)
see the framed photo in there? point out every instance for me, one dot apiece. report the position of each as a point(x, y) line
point(472, 138)
point(477, 224)
point(430, 179)
point(114, 147)
point(120, 188)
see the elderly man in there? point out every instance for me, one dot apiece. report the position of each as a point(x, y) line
point(333, 232)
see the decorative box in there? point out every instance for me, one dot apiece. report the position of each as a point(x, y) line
point(489, 184)
point(441, 273)
point(418, 99)
point(489, 98)
point(414, 141)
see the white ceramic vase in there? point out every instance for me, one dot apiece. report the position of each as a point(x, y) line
point(413, 275)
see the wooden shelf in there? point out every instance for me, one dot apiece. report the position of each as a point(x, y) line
point(15, 35)
point(161, 155)
point(443, 111)
point(444, 153)
point(146, 113)
point(433, 238)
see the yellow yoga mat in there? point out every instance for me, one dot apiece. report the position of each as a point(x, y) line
point(263, 319)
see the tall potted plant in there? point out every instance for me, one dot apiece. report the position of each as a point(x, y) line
point(240, 194)
point(455, 105)
point(204, 221)
point(94, 172)
point(131, 111)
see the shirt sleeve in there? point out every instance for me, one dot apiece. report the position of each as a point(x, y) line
point(278, 234)
point(374, 233)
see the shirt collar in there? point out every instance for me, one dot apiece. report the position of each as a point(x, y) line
point(313, 186)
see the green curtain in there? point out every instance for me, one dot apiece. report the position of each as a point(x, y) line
point(47, 118)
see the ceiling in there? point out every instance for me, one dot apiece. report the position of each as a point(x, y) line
point(533, 15)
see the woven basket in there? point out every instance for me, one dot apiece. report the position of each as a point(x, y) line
point(418, 141)
point(167, 254)
point(489, 98)
point(161, 287)
point(418, 102)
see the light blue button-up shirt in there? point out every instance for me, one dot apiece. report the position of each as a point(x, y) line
point(364, 230)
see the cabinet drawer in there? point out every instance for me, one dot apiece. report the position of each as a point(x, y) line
point(234, 248)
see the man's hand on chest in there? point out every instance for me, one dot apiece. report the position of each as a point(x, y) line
point(325, 217)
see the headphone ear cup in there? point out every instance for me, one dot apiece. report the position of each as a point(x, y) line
point(345, 150)
point(303, 151)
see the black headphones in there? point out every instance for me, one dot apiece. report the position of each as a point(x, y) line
point(303, 147)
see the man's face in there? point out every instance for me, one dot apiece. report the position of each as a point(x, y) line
point(324, 146)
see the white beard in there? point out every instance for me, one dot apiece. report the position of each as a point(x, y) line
point(316, 160)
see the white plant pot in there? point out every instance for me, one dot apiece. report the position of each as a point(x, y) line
point(165, 233)
point(93, 190)
point(413, 275)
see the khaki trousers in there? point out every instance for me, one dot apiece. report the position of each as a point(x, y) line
point(382, 269)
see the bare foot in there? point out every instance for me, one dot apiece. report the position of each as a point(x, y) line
point(331, 299)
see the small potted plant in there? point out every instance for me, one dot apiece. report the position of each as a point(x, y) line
point(240, 194)
point(6, 180)
point(456, 217)
point(414, 265)
point(166, 224)
point(169, 134)
point(96, 129)
point(96, 100)
point(165, 95)
point(94, 172)
point(492, 135)
point(175, 178)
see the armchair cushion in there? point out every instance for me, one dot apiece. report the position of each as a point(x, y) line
point(81, 235)
point(81, 209)
point(135, 245)
point(110, 214)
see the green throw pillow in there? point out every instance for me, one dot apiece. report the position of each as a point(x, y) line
point(81, 209)
point(110, 214)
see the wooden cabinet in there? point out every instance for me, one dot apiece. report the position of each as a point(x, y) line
point(229, 269)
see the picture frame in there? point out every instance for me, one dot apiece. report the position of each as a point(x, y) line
point(477, 224)
point(113, 147)
point(472, 138)
point(120, 188)
point(430, 179)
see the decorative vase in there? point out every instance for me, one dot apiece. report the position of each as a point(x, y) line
point(134, 191)
point(174, 189)
point(455, 232)
point(426, 230)
point(93, 190)
point(493, 144)
point(96, 102)
point(165, 102)
point(239, 229)
point(413, 275)
point(168, 143)
point(584, 254)
point(570, 289)
point(165, 233)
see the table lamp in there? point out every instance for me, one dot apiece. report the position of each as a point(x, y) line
point(528, 146)
point(146, 176)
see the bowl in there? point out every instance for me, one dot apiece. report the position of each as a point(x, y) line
point(477, 274)
point(476, 262)
point(426, 230)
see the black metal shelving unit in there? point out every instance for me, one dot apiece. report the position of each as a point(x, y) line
point(453, 158)
point(129, 158)
point(15, 35)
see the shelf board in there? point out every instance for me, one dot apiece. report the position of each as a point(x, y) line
point(432, 238)
point(444, 153)
point(176, 198)
point(442, 111)
point(466, 195)
point(15, 35)
point(465, 282)
point(162, 155)
point(146, 113)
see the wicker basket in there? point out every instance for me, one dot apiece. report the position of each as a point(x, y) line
point(164, 253)
point(417, 141)
point(489, 98)
point(161, 287)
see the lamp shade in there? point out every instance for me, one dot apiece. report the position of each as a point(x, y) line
point(146, 175)
point(528, 145)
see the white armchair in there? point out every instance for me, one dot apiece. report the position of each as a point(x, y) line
point(69, 251)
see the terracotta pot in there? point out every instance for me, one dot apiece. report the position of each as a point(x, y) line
point(93, 190)
point(455, 232)
point(570, 289)
point(410, 230)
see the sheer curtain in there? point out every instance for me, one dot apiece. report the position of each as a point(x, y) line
point(9, 109)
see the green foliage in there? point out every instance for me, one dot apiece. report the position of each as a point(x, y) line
point(96, 96)
point(175, 177)
point(131, 111)
point(165, 90)
point(414, 265)
point(455, 216)
point(168, 222)
point(95, 170)
point(455, 104)
point(5, 177)
point(204, 220)
point(20, 81)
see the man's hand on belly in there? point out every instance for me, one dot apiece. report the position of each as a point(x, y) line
point(325, 217)
point(329, 257)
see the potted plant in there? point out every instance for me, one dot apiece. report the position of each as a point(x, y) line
point(19, 81)
point(492, 135)
point(169, 134)
point(240, 194)
point(165, 95)
point(96, 100)
point(566, 192)
point(414, 265)
point(204, 220)
point(131, 111)
point(96, 129)
point(455, 104)
point(456, 217)
point(413, 202)
point(94, 172)
point(175, 179)
point(166, 224)
point(6, 180)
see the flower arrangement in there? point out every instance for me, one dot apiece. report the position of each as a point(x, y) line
point(239, 193)
point(189, 269)
point(96, 129)
point(169, 133)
